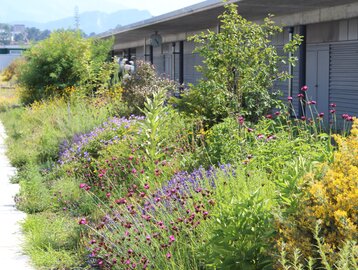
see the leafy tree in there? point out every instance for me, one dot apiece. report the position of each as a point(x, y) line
point(240, 66)
point(63, 60)
point(33, 33)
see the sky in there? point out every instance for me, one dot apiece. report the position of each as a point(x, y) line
point(49, 10)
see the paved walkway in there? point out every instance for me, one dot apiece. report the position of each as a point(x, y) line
point(11, 257)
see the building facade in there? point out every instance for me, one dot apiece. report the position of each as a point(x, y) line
point(328, 57)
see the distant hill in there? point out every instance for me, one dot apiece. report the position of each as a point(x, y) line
point(93, 21)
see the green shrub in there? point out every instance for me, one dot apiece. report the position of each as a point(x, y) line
point(63, 60)
point(240, 66)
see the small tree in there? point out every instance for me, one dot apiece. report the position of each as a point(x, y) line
point(240, 66)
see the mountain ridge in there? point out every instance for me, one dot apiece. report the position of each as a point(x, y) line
point(92, 21)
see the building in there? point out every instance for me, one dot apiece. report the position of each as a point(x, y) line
point(328, 57)
point(8, 53)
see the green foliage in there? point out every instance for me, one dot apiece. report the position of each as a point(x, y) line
point(240, 66)
point(63, 60)
point(48, 240)
point(241, 224)
point(36, 132)
point(34, 194)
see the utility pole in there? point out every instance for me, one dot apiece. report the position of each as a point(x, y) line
point(77, 18)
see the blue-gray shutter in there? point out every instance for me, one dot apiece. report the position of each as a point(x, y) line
point(343, 80)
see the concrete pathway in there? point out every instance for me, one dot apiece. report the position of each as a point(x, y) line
point(11, 256)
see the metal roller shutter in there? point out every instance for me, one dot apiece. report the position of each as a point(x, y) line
point(343, 79)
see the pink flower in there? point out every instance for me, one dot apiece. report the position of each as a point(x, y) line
point(121, 201)
point(260, 136)
point(269, 116)
point(171, 238)
point(312, 102)
point(320, 115)
point(333, 105)
point(146, 186)
point(108, 195)
point(169, 255)
point(332, 111)
point(241, 120)
point(277, 113)
point(289, 98)
point(250, 130)
point(300, 95)
point(83, 185)
point(82, 221)
point(303, 118)
point(304, 88)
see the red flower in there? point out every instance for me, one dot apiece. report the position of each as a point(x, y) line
point(333, 105)
point(320, 115)
point(300, 95)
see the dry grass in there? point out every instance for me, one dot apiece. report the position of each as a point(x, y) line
point(8, 95)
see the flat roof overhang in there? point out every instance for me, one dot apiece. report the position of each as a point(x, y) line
point(204, 16)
